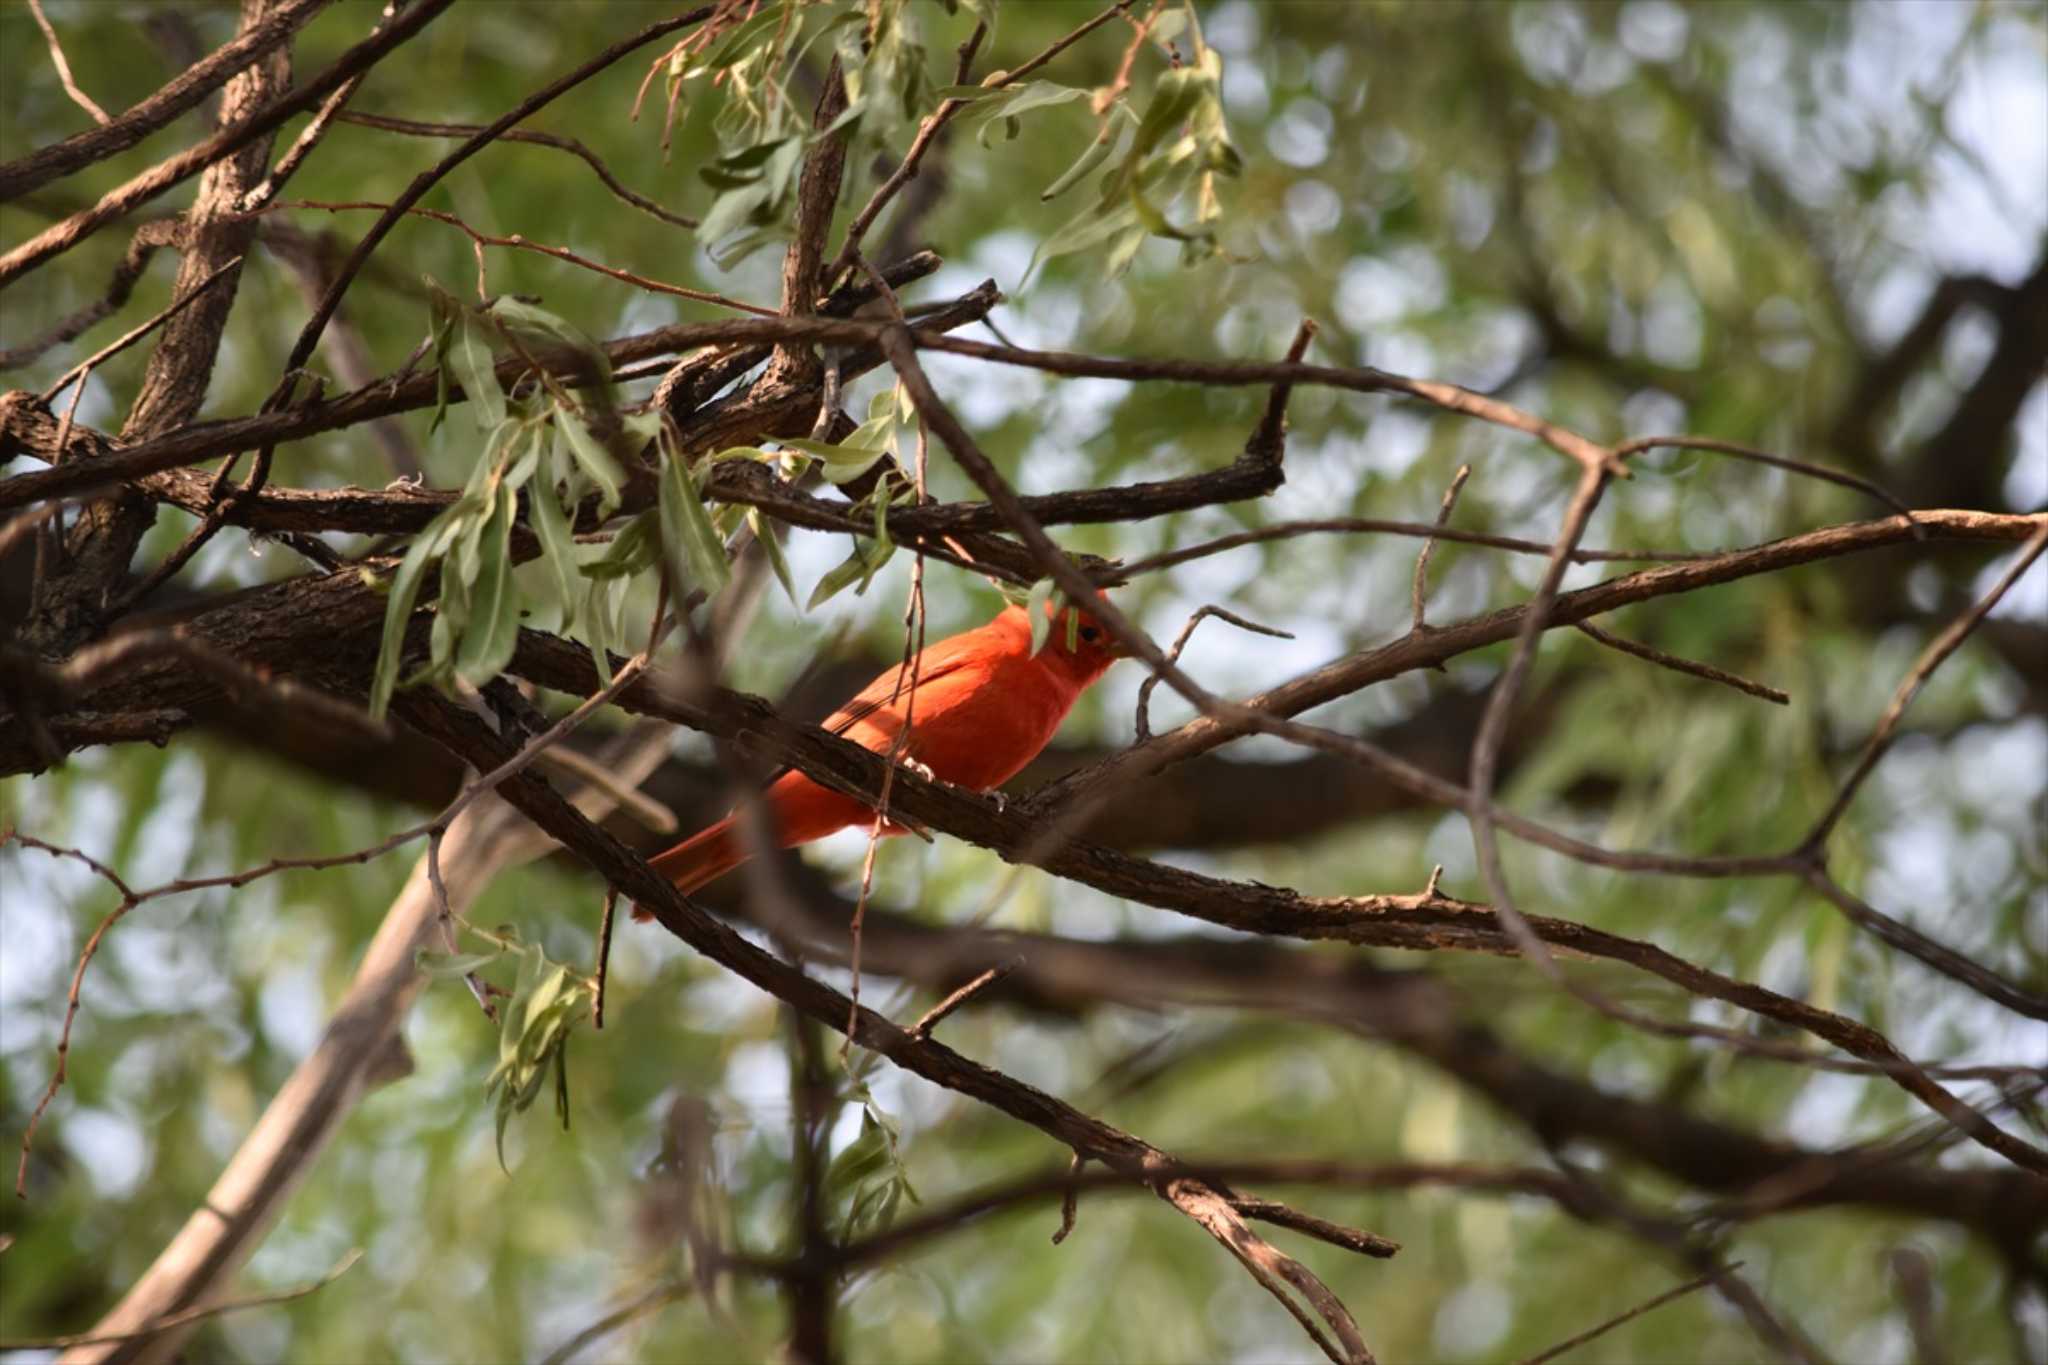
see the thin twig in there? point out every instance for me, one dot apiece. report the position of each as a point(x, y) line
point(1741, 452)
point(170, 1320)
point(604, 956)
point(1284, 530)
point(519, 241)
point(653, 1301)
point(1443, 516)
point(932, 1017)
point(1144, 715)
point(1571, 1343)
point(1938, 649)
point(134, 334)
point(1679, 665)
point(78, 96)
point(309, 137)
point(857, 230)
point(570, 145)
point(119, 202)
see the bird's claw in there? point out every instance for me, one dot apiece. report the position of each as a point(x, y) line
point(1002, 802)
point(922, 770)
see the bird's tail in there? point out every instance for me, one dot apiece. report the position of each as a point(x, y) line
point(699, 860)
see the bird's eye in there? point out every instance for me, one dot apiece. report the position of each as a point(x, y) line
point(1089, 633)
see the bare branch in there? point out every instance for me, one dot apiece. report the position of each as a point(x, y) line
point(1443, 516)
point(527, 135)
point(1687, 666)
point(1572, 1343)
point(1938, 649)
point(192, 1315)
point(78, 97)
point(932, 1017)
point(119, 202)
point(191, 86)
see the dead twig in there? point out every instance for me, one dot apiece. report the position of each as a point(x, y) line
point(415, 128)
point(1687, 666)
point(126, 198)
point(1938, 649)
point(1180, 642)
point(1574, 1342)
point(932, 1017)
point(84, 368)
point(1443, 516)
point(78, 96)
point(190, 1315)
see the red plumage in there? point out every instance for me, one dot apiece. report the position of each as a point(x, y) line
point(979, 705)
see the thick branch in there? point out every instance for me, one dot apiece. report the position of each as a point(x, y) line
point(38, 168)
point(119, 202)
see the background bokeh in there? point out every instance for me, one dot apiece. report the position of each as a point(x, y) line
point(1715, 218)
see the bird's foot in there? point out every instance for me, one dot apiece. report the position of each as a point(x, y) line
point(1002, 802)
point(922, 770)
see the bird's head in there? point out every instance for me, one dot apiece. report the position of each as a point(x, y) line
point(1076, 643)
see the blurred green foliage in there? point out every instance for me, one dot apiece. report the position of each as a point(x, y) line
point(1628, 217)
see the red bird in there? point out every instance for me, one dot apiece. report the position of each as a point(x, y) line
point(980, 706)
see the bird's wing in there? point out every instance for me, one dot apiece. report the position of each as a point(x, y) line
point(938, 661)
point(941, 660)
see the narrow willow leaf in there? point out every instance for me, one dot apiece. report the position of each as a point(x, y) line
point(858, 567)
point(1081, 232)
point(452, 964)
point(592, 458)
point(557, 542)
point(734, 209)
point(597, 630)
point(445, 314)
point(1035, 606)
point(694, 552)
point(427, 547)
point(843, 463)
point(476, 370)
point(738, 43)
point(631, 552)
point(1173, 99)
point(1095, 154)
point(771, 547)
point(493, 628)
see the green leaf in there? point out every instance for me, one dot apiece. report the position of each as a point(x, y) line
point(1081, 232)
point(475, 368)
point(844, 462)
point(493, 628)
point(597, 631)
point(858, 567)
point(427, 547)
point(436, 964)
point(631, 551)
point(740, 39)
point(1043, 593)
point(592, 458)
point(694, 552)
point(557, 541)
point(446, 312)
point(1095, 154)
point(1037, 95)
point(772, 548)
point(734, 209)
point(1173, 99)
point(544, 331)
